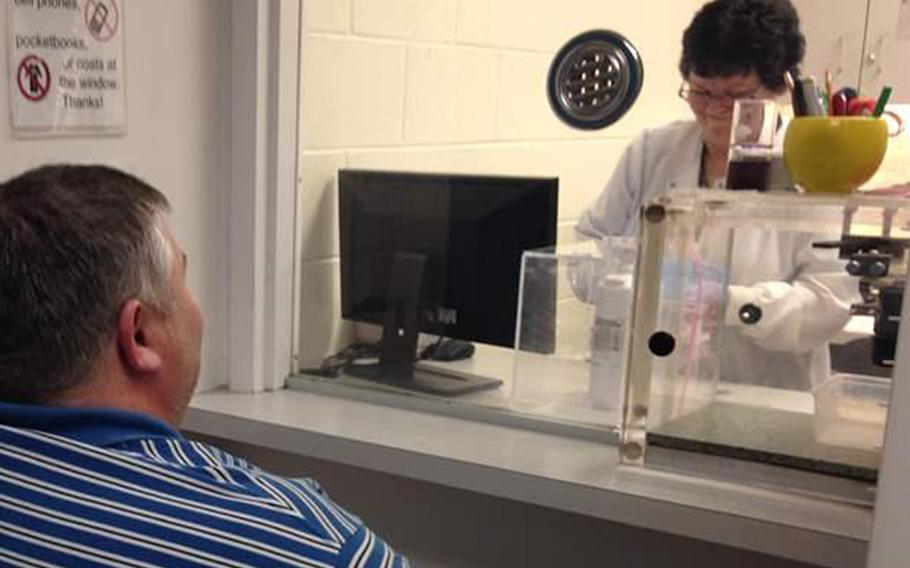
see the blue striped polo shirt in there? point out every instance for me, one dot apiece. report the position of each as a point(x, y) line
point(104, 487)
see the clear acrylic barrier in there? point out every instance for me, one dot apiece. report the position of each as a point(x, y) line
point(571, 353)
point(693, 278)
point(692, 383)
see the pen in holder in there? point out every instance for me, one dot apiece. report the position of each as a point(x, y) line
point(752, 133)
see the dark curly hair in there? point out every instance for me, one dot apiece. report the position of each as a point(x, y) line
point(736, 37)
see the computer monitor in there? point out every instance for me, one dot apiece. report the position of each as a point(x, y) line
point(441, 254)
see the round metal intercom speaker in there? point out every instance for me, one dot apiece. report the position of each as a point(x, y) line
point(594, 79)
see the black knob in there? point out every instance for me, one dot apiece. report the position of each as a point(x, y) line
point(661, 343)
point(877, 269)
point(854, 268)
point(750, 314)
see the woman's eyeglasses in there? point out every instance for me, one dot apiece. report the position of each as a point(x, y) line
point(700, 99)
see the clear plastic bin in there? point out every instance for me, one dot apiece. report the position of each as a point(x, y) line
point(571, 351)
point(850, 411)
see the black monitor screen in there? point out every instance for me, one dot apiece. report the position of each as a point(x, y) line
point(470, 230)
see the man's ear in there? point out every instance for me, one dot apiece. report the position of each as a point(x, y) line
point(136, 337)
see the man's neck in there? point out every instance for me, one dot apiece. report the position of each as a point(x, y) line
point(109, 387)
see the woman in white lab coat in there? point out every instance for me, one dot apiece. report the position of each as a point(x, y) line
point(738, 49)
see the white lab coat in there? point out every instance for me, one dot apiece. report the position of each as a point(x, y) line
point(804, 293)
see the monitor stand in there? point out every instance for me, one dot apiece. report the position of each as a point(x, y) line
point(398, 347)
point(423, 381)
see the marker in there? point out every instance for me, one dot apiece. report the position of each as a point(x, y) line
point(812, 103)
point(796, 95)
point(788, 79)
point(882, 101)
point(839, 104)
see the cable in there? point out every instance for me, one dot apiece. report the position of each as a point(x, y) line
point(333, 365)
point(427, 352)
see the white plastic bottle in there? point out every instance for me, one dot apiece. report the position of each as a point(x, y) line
point(613, 301)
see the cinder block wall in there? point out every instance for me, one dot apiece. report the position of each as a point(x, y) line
point(456, 86)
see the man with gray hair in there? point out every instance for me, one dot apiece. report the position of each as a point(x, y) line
point(99, 355)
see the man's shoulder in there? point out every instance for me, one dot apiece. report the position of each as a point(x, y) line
point(222, 475)
point(277, 501)
point(200, 499)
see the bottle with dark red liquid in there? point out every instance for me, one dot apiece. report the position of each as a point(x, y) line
point(749, 173)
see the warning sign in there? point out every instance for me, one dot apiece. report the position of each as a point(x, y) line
point(66, 66)
point(34, 78)
point(102, 18)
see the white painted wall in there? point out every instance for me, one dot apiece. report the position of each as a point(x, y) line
point(455, 85)
point(178, 103)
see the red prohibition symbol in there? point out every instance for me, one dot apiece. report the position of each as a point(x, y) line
point(34, 78)
point(102, 18)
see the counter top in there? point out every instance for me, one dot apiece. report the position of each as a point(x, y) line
point(577, 475)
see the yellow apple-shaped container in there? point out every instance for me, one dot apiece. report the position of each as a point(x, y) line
point(834, 154)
